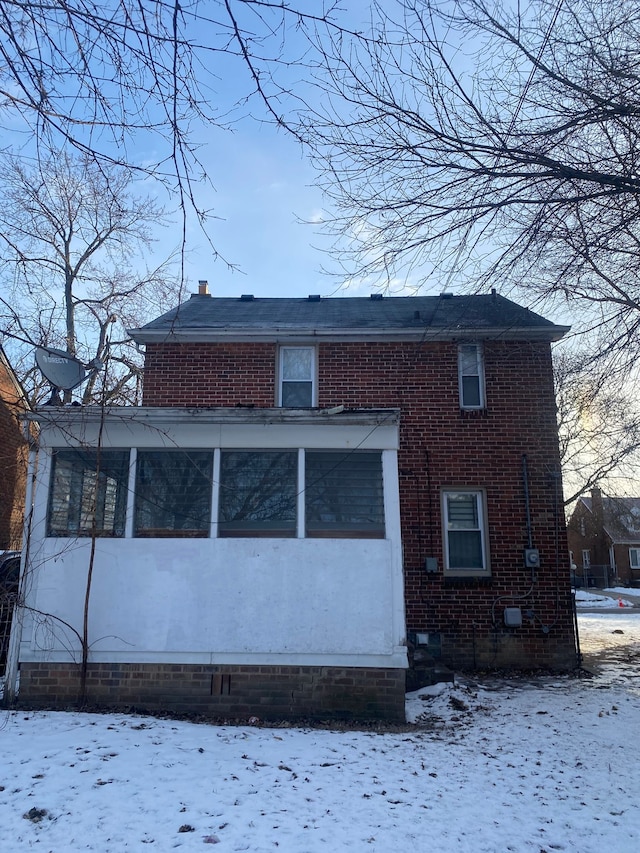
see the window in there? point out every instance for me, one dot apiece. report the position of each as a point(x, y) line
point(634, 558)
point(586, 559)
point(297, 377)
point(465, 534)
point(258, 493)
point(173, 493)
point(344, 494)
point(88, 493)
point(471, 376)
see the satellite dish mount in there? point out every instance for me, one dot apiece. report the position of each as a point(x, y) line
point(63, 370)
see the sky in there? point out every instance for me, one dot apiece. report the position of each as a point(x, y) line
point(485, 766)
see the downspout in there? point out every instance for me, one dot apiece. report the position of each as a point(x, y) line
point(15, 638)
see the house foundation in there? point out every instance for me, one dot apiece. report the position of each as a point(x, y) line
point(235, 692)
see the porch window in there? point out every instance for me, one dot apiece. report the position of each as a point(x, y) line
point(471, 376)
point(465, 532)
point(173, 493)
point(258, 493)
point(88, 493)
point(634, 558)
point(344, 494)
point(297, 377)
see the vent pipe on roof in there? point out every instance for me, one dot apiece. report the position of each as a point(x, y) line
point(203, 288)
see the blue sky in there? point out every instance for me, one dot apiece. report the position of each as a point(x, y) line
point(266, 201)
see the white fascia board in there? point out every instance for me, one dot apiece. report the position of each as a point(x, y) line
point(229, 428)
point(549, 333)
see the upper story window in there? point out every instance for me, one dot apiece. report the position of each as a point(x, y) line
point(297, 370)
point(634, 558)
point(471, 376)
point(465, 535)
point(88, 493)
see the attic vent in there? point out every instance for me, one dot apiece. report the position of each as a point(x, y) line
point(247, 297)
point(314, 297)
point(376, 296)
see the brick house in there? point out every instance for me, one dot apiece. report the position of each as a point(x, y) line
point(13, 457)
point(604, 540)
point(316, 495)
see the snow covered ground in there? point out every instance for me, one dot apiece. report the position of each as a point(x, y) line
point(487, 766)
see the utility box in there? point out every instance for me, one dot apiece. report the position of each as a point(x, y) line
point(513, 617)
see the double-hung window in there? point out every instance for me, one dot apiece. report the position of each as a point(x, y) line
point(297, 370)
point(173, 493)
point(344, 494)
point(258, 493)
point(471, 376)
point(88, 493)
point(634, 558)
point(465, 536)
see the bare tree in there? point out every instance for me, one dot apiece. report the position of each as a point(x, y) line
point(492, 141)
point(112, 80)
point(599, 427)
point(72, 235)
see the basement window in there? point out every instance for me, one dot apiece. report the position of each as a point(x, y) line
point(173, 493)
point(465, 536)
point(88, 493)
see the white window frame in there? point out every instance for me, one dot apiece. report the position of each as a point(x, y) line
point(586, 558)
point(478, 372)
point(480, 499)
point(634, 558)
point(312, 378)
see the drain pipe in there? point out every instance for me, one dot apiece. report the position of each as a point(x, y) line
point(527, 505)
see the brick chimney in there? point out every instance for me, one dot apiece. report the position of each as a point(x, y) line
point(203, 288)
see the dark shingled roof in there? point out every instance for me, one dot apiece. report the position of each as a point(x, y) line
point(621, 518)
point(204, 317)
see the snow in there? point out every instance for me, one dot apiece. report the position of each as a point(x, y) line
point(487, 766)
point(611, 597)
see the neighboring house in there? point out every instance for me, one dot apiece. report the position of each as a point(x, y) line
point(315, 495)
point(13, 457)
point(604, 540)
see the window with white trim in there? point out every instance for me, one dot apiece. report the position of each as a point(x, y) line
point(634, 558)
point(173, 493)
point(297, 370)
point(344, 494)
point(465, 535)
point(258, 493)
point(88, 492)
point(471, 376)
point(586, 558)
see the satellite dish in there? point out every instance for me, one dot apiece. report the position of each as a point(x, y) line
point(61, 368)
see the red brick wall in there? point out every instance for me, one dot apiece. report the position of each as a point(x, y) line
point(13, 462)
point(440, 446)
point(238, 692)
